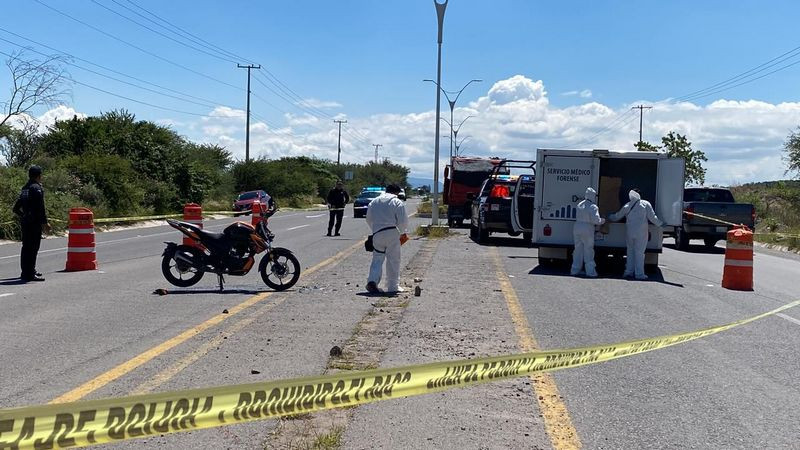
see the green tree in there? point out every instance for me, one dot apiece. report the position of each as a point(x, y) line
point(19, 146)
point(677, 146)
point(643, 146)
point(791, 149)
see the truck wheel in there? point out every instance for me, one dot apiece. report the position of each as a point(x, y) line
point(451, 222)
point(473, 232)
point(527, 236)
point(710, 243)
point(681, 240)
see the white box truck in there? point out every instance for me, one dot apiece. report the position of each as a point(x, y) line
point(562, 177)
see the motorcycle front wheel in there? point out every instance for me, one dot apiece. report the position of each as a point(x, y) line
point(178, 272)
point(280, 269)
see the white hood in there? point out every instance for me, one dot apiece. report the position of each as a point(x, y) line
point(634, 196)
point(590, 195)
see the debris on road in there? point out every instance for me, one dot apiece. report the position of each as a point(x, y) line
point(224, 311)
point(254, 372)
point(417, 291)
point(161, 291)
point(336, 351)
point(417, 280)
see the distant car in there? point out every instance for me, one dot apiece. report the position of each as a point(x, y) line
point(491, 209)
point(245, 200)
point(362, 201)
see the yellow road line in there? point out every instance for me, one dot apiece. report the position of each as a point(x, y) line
point(168, 373)
point(128, 366)
point(557, 420)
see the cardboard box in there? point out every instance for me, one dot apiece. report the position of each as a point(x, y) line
point(608, 197)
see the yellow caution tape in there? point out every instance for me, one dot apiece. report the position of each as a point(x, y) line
point(715, 219)
point(99, 421)
point(136, 218)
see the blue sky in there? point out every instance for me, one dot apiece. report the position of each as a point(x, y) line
point(364, 60)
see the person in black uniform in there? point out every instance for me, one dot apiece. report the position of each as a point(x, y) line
point(337, 198)
point(33, 220)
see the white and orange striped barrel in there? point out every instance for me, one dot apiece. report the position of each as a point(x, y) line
point(192, 213)
point(738, 272)
point(256, 213)
point(81, 253)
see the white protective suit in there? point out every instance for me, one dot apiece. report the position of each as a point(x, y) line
point(637, 213)
point(386, 216)
point(586, 218)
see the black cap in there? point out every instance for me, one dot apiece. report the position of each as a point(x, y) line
point(34, 171)
point(393, 189)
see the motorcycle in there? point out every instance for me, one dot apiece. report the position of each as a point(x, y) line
point(231, 252)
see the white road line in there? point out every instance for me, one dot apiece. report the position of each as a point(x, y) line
point(789, 318)
point(7, 294)
point(314, 217)
point(299, 226)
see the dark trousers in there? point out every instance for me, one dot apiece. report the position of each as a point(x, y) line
point(335, 215)
point(31, 240)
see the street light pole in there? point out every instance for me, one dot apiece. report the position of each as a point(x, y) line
point(452, 104)
point(440, 8)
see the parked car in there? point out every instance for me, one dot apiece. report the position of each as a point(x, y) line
point(491, 209)
point(711, 202)
point(362, 201)
point(245, 200)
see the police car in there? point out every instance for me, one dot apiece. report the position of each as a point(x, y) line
point(364, 198)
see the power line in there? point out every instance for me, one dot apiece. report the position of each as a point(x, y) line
point(339, 122)
point(617, 123)
point(129, 98)
point(160, 33)
point(105, 67)
point(753, 71)
point(137, 47)
point(376, 151)
point(641, 109)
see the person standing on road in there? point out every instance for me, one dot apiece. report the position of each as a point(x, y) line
point(386, 216)
point(586, 218)
point(637, 213)
point(33, 220)
point(337, 199)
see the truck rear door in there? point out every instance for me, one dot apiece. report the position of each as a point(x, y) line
point(522, 204)
point(669, 191)
point(564, 180)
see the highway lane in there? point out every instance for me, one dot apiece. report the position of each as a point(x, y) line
point(738, 389)
point(58, 334)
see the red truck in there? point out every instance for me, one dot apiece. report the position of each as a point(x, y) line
point(463, 178)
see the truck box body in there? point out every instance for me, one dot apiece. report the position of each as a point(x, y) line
point(463, 179)
point(562, 177)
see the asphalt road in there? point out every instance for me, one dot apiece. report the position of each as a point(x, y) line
point(737, 389)
point(74, 326)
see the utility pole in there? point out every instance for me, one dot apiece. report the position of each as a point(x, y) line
point(641, 109)
point(339, 155)
point(376, 151)
point(247, 126)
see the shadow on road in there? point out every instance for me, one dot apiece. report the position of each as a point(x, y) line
point(699, 249)
point(495, 241)
point(213, 291)
point(12, 281)
point(608, 270)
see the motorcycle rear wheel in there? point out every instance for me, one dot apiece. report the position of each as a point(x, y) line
point(280, 269)
point(177, 272)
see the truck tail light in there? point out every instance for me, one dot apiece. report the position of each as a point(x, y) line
point(500, 191)
point(547, 230)
point(753, 214)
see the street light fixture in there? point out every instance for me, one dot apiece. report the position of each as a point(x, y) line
point(458, 145)
point(452, 103)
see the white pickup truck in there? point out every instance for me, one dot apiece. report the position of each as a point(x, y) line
point(562, 177)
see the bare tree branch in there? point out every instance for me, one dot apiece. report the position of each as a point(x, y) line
point(35, 82)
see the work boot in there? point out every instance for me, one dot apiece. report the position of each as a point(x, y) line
point(36, 277)
point(337, 234)
point(372, 288)
point(591, 274)
point(627, 275)
point(329, 234)
point(641, 277)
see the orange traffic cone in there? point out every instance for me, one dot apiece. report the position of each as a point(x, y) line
point(738, 273)
point(256, 213)
point(192, 213)
point(81, 253)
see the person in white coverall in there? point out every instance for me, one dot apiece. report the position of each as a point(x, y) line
point(386, 217)
point(637, 213)
point(586, 218)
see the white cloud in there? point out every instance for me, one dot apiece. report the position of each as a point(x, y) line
point(586, 93)
point(319, 104)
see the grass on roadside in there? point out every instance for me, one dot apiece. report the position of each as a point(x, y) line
point(329, 441)
point(426, 207)
point(790, 239)
point(432, 232)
